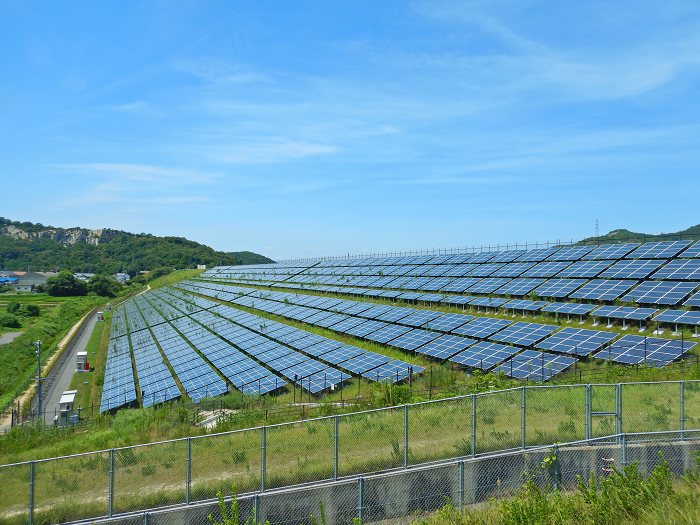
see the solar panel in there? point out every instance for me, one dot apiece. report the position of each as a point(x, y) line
point(431, 297)
point(585, 269)
point(519, 287)
point(446, 346)
point(525, 305)
point(448, 322)
point(686, 317)
point(394, 314)
point(546, 269)
point(484, 355)
point(489, 302)
point(693, 251)
point(387, 333)
point(694, 300)
point(624, 312)
point(457, 300)
point(508, 256)
point(569, 308)
point(576, 341)
point(460, 284)
point(488, 285)
point(365, 362)
point(637, 349)
point(632, 269)
point(660, 292)
point(537, 255)
point(393, 371)
point(523, 334)
point(512, 269)
point(659, 250)
point(602, 289)
point(414, 339)
point(481, 327)
point(362, 329)
point(681, 269)
point(559, 288)
point(484, 270)
point(570, 253)
point(420, 317)
point(535, 366)
point(611, 251)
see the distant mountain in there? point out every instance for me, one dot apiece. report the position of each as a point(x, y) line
point(25, 245)
point(692, 233)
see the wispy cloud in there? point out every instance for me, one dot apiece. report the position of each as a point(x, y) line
point(266, 151)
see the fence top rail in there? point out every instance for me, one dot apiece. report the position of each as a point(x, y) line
point(362, 412)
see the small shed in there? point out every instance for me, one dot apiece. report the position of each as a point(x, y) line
point(82, 364)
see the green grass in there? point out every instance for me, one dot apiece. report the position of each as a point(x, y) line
point(174, 277)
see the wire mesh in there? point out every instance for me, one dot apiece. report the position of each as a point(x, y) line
point(299, 452)
point(71, 488)
point(326, 504)
point(225, 463)
point(498, 421)
point(149, 476)
point(439, 430)
point(14, 493)
point(691, 404)
point(603, 405)
point(370, 441)
point(554, 414)
point(651, 407)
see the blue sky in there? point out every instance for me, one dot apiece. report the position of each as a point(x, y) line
point(311, 128)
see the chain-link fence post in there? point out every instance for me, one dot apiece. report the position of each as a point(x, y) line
point(263, 445)
point(256, 507)
point(460, 484)
point(405, 436)
point(682, 418)
point(623, 449)
point(473, 425)
point(588, 411)
point(146, 518)
point(361, 499)
point(188, 471)
point(522, 416)
point(31, 493)
point(618, 408)
point(335, 448)
point(110, 507)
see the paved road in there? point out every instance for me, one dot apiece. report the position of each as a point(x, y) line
point(65, 373)
point(9, 337)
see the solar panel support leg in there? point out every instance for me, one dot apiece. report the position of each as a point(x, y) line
point(523, 409)
point(682, 407)
point(473, 440)
point(405, 436)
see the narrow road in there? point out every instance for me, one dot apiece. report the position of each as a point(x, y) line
point(63, 371)
point(9, 337)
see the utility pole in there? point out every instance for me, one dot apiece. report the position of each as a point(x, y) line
point(38, 379)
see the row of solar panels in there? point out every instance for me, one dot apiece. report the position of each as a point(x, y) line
point(684, 317)
point(418, 330)
point(669, 293)
point(296, 354)
point(651, 250)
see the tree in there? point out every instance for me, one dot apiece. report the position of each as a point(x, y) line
point(31, 310)
point(103, 285)
point(13, 307)
point(9, 321)
point(65, 284)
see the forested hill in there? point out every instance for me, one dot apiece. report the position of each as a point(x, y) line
point(692, 233)
point(35, 247)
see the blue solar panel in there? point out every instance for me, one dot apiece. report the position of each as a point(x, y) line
point(457, 300)
point(512, 269)
point(481, 327)
point(632, 269)
point(681, 269)
point(387, 333)
point(393, 371)
point(546, 269)
point(538, 255)
point(411, 341)
point(448, 322)
point(559, 288)
point(660, 292)
point(419, 317)
point(484, 355)
point(570, 253)
point(685, 317)
point(602, 290)
point(523, 334)
point(694, 300)
point(489, 302)
point(693, 251)
point(446, 346)
point(394, 314)
point(364, 363)
point(488, 285)
point(519, 287)
point(624, 312)
point(585, 269)
point(611, 251)
point(569, 308)
point(348, 323)
point(659, 250)
point(524, 305)
point(576, 341)
point(636, 349)
point(341, 354)
point(535, 366)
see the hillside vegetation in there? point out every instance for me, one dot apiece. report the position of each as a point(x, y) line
point(25, 245)
point(692, 233)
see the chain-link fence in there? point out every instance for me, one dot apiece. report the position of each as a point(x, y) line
point(184, 471)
